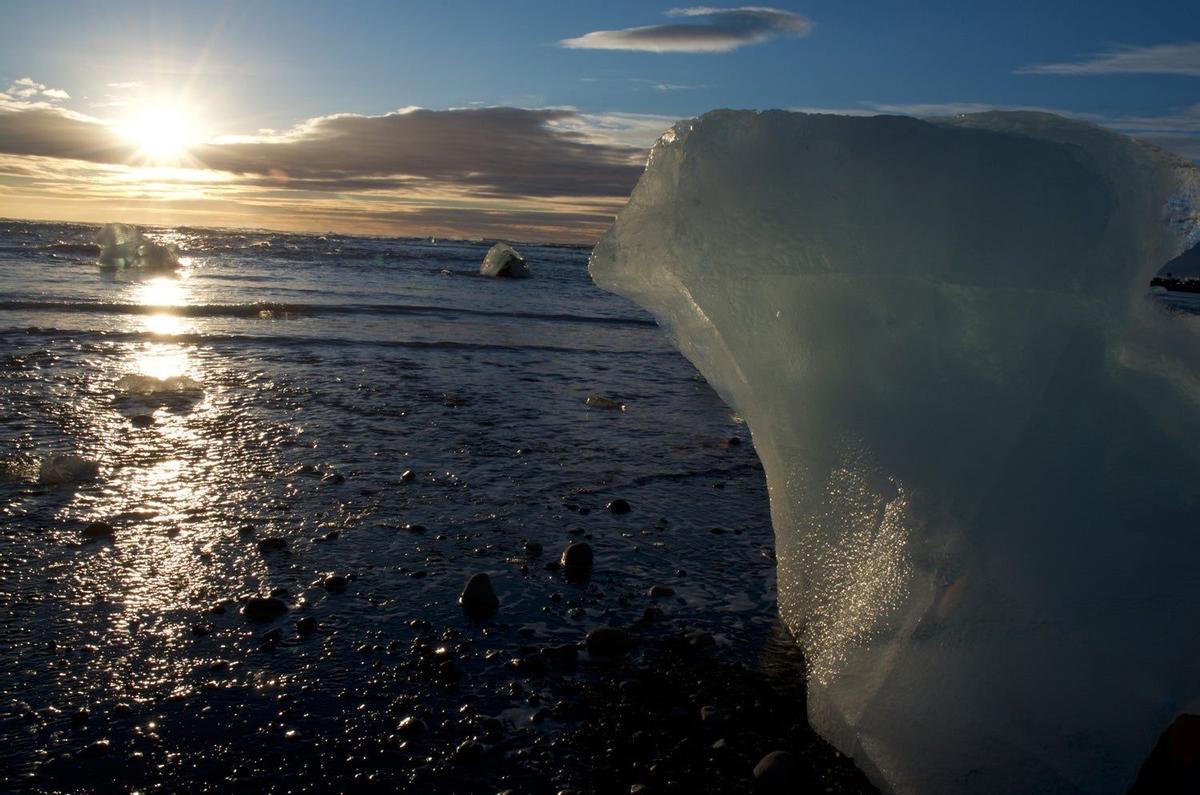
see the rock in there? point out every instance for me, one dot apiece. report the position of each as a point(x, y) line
point(711, 716)
point(273, 544)
point(99, 530)
point(776, 772)
point(531, 665)
point(619, 507)
point(577, 559)
point(608, 642)
point(142, 420)
point(97, 748)
point(335, 583)
point(334, 477)
point(306, 625)
point(532, 549)
point(661, 591)
point(600, 402)
point(264, 608)
point(478, 600)
point(564, 656)
point(411, 726)
point(407, 475)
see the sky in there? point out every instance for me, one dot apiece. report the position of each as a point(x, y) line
point(518, 120)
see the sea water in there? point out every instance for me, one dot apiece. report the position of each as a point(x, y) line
point(321, 369)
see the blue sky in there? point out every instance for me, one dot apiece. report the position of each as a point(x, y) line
point(246, 68)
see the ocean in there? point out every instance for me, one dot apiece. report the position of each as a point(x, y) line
point(364, 424)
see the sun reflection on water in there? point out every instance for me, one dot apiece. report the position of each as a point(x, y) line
point(162, 360)
point(162, 293)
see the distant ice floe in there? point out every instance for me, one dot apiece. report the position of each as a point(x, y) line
point(503, 260)
point(147, 385)
point(123, 246)
point(62, 469)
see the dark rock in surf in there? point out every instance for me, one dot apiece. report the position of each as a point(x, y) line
point(101, 530)
point(478, 600)
point(577, 560)
point(264, 608)
point(619, 507)
point(776, 772)
point(608, 642)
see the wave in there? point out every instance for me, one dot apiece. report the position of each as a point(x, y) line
point(272, 310)
point(302, 341)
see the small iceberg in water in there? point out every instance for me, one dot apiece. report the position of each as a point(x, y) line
point(148, 385)
point(123, 246)
point(67, 468)
point(503, 260)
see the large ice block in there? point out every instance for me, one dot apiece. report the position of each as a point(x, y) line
point(981, 438)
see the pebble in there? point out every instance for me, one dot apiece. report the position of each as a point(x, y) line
point(661, 591)
point(619, 507)
point(577, 559)
point(99, 530)
point(776, 772)
point(411, 726)
point(608, 642)
point(272, 544)
point(306, 625)
point(478, 599)
point(407, 475)
point(335, 583)
point(264, 608)
point(142, 420)
point(532, 549)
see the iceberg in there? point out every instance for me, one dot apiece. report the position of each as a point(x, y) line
point(503, 260)
point(123, 246)
point(61, 469)
point(979, 432)
point(135, 384)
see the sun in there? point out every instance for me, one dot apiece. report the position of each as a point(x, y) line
point(163, 134)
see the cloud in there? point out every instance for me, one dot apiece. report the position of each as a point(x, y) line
point(130, 84)
point(1177, 131)
point(494, 151)
point(24, 92)
point(722, 30)
point(564, 172)
point(1162, 59)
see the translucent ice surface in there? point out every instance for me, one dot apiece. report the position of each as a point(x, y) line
point(124, 246)
point(503, 260)
point(980, 436)
point(66, 468)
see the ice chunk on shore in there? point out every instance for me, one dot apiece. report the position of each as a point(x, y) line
point(67, 468)
point(123, 246)
point(503, 260)
point(979, 436)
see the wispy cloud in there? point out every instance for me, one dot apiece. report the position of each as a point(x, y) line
point(718, 30)
point(1160, 59)
point(130, 84)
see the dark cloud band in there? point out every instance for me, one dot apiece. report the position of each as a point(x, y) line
point(721, 30)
